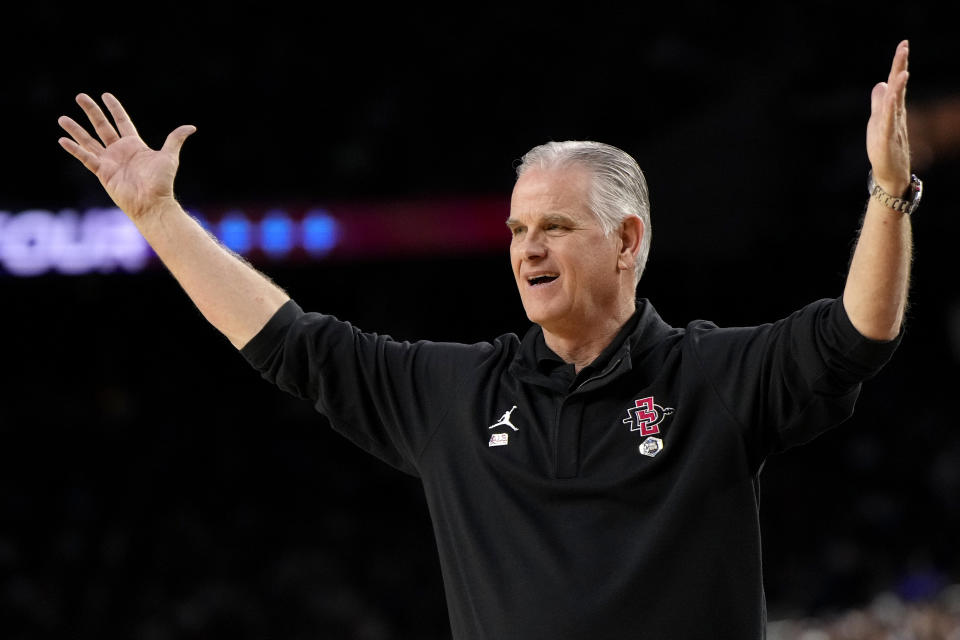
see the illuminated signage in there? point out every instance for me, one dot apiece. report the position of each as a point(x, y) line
point(36, 241)
point(103, 240)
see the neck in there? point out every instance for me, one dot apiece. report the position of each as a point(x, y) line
point(580, 347)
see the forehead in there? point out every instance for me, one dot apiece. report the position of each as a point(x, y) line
point(541, 192)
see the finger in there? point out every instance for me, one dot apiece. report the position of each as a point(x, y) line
point(79, 134)
point(124, 124)
point(896, 96)
point(877, 96)
point(89, 160)
point(99, 121)
point(175, 139)
point(882, 109)
point(905, 46)
point(903, 91)
point(891, 110)
point(899, 105)
point(899, 61)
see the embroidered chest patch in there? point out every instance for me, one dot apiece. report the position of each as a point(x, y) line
point(646, 416)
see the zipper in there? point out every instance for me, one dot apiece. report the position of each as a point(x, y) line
point(564, 467)
point(598, 376)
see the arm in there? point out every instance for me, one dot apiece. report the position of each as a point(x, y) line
point(387, 397)
point(232, 295)
point(875, 296)
point(786, 382)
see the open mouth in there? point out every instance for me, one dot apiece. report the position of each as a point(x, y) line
point(541, 280)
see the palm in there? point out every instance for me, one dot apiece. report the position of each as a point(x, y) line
point(135, 176)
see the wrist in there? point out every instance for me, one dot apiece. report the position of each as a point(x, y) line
point(896, 188)
point(152, 219)
point(156, 208)
point(900, 197)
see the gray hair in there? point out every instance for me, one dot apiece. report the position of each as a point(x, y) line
point(618, 189)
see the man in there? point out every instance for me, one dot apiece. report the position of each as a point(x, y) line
point(616, 494)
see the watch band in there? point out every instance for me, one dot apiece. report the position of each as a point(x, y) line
point(906, 204)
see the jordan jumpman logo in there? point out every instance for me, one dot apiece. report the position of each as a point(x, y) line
point(505, 419)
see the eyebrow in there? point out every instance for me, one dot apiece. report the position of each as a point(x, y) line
point(550, 218)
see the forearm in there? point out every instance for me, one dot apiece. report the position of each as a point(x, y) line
point(875, 296)
point(236, 298)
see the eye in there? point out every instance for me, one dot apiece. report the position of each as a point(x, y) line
point(516, 231)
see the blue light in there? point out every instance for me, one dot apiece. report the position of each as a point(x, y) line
point(319, 232)
point(276, 233)
point(235, 232)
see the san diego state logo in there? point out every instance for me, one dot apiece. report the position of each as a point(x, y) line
point(645, 416)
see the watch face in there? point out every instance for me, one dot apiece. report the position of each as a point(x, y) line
point(916, 190)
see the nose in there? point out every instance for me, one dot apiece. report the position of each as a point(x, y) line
point(532, 246)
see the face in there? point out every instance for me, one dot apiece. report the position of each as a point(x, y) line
point(565, 267)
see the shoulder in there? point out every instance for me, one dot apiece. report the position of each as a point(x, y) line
point(705, 333)
point(818, 337)
point(291, 326)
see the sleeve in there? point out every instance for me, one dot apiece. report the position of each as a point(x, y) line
point(787, 382)
point(385, 396)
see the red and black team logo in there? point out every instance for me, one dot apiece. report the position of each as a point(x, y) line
point(645, 416)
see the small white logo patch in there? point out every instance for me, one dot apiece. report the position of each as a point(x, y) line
point(505, 420)
point(651, 446)
point(499, 439)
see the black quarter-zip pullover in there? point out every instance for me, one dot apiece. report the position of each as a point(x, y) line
point(618, 503)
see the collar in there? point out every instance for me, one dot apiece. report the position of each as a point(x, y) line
point(537, 364)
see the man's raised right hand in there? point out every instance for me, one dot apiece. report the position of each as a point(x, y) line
point(136, 177)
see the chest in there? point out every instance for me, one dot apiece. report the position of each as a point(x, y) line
point(630, 430)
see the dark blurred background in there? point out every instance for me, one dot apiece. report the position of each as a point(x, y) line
point(152, 486)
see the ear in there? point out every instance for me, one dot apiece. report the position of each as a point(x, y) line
point(631, 235)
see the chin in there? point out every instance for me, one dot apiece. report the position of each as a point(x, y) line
point(542, 316)
point(534, 315)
